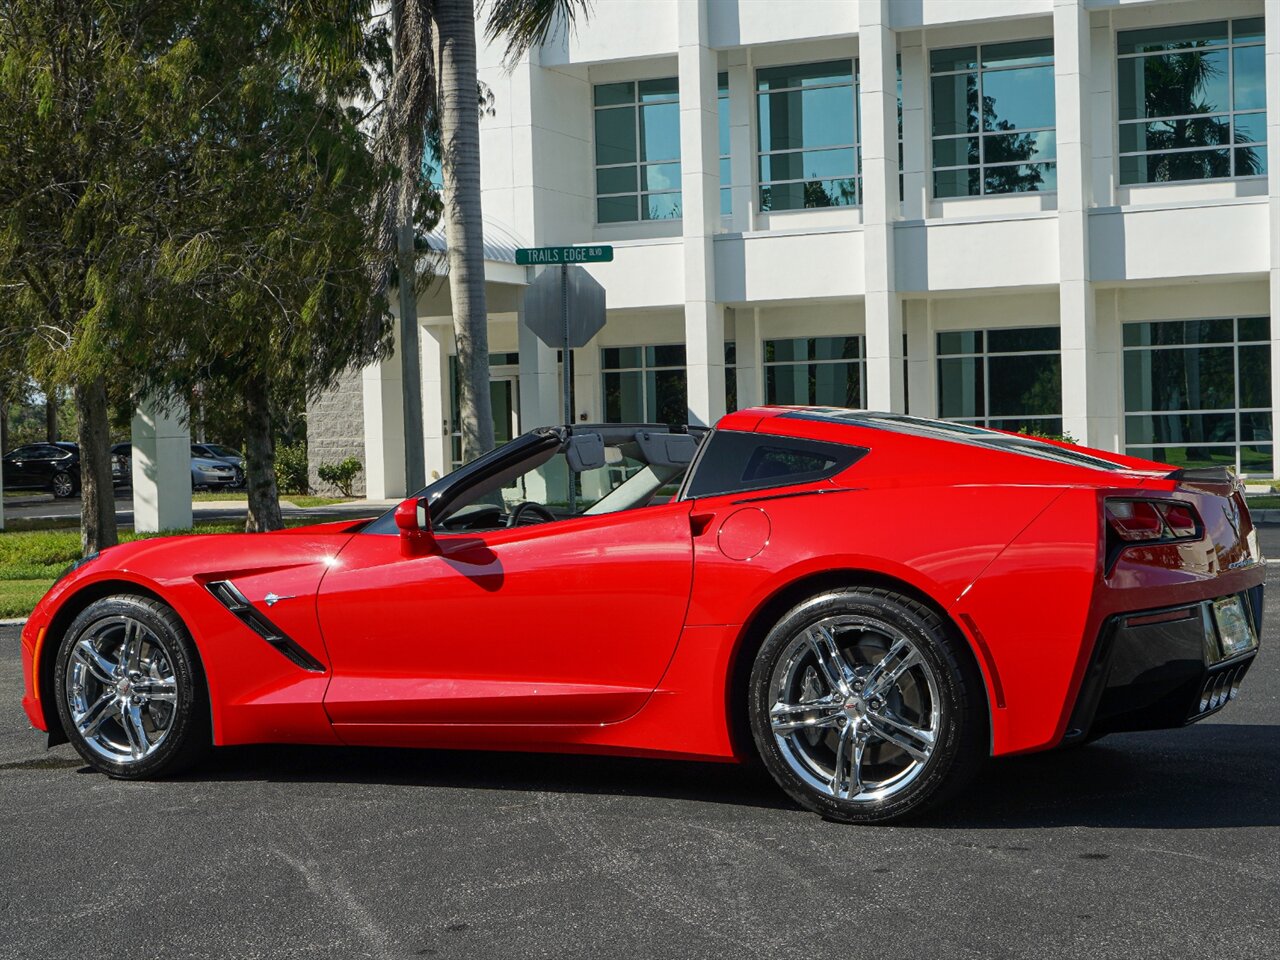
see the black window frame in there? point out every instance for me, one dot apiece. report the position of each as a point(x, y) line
point(843, 457)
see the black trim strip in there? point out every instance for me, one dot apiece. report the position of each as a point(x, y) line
point(227, 594)
point(797, 493)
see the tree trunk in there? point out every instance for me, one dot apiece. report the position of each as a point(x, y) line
point(455, 36)
point(97, 497)
point(260, 460)
point(51, 414)
point(411, 149)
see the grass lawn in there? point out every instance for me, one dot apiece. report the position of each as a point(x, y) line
point(306, 502)
point(1263, 503)
point(31, 560)
point(298, 500)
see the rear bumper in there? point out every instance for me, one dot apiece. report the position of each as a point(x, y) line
point(1156, 669)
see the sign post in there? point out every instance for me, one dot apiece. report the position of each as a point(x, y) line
point(565, 307)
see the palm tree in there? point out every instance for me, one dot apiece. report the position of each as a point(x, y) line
point(436, 75)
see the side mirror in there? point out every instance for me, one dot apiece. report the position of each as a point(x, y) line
point(415, 528)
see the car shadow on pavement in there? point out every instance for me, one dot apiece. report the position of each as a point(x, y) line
point(738, 784)
point(1216, 775)
point(1206, 776)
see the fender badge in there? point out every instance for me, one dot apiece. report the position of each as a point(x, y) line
point(271, 599)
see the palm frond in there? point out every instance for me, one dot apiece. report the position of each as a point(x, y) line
point(526, 23)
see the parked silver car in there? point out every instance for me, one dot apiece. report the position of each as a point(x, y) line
point(217, 451)
point(206, 472)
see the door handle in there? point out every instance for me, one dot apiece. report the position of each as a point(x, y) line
point(699, 523)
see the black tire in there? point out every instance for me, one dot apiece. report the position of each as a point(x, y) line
point(63, 484)
point(186, 736)
point(959, 726)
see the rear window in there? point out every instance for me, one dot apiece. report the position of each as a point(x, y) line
point(734, 461)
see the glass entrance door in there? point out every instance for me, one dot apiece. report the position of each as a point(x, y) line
point(504, 395)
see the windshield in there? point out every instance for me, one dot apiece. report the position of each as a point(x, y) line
point(216, 450)
point(538, 478)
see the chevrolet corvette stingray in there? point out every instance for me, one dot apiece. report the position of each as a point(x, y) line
point(869, 603)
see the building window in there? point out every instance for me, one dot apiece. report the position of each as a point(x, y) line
point(1193, 103)
point(637, 130)
point(819, 371)
point(1005, 379)
point(1198, 393)
point(808, 122)
point(645, 384)
point(993, 119)
point(726, 169)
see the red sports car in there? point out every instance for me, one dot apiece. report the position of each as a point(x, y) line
point(869, 603)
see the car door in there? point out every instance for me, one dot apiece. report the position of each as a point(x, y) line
point(32, 465)
point(567, 622)
point(15, 468)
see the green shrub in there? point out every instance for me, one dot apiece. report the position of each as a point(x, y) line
point(291, 468)
point(341, 475)
point(1041, 435)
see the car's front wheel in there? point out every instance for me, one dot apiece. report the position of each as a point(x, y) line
point(864, 709)
point(129, 689)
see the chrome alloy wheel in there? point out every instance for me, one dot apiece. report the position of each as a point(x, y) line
point(121, 689)
point(855, 708)
point(63, 485)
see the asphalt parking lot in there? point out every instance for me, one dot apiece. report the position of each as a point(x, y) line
point(1155, 845)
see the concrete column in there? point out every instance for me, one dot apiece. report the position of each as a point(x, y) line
point(922, 342)
point(588, 393)
point(700, 202)
point(161, 470)
point(915, 129)
point(540, 399)
point(746, 322)
point(1273, 188)
point(384, 428)
point(879, 111)
point(434, 360)
point(742, 143)
point(1090, 402)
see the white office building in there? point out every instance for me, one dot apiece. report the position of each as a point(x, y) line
point(1052, 215)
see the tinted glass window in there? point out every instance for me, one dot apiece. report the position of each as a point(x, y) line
point(750, 461)
point(993, 119)
point(807, 123)
point(1192, 102)
point(637, 139)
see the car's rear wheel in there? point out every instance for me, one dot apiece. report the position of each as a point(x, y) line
point(864, 708)
point(129, 689)
point(63, 484)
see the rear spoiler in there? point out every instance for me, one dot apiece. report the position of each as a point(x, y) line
point(1215, 477)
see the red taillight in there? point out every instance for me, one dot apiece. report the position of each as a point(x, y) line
point(1182, 519)
point(1145, 521)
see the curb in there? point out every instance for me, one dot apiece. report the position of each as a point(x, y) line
point(13, 622)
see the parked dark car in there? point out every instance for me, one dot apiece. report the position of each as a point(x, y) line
point(44, 466)
point(225, 454)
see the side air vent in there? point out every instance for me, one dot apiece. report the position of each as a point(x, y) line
point(230, 597)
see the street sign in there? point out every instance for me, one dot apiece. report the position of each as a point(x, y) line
point(565, 302)
point(554, 256)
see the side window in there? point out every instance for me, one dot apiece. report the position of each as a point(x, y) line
point(736, 461)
